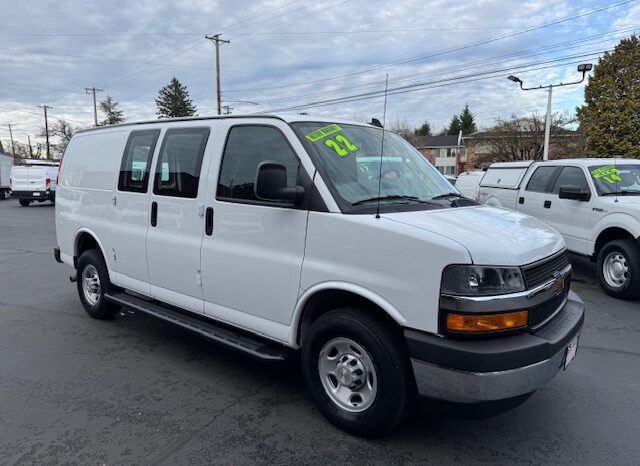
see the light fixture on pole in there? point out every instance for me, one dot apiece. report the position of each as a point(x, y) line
point(583, 68)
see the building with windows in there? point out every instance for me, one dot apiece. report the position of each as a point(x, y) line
point(447, 153)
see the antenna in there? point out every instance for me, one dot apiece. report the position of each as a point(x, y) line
point(384, 122)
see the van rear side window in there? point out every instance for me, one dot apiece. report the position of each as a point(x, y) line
point(134, 169)
point(180, 162)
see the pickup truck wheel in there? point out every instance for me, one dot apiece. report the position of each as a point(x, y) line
point(358, 372)
point(93, 282)
point(619, 269)
point(24, 202)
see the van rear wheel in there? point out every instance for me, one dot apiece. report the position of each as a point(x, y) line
point(93, 282)
point(358, 372)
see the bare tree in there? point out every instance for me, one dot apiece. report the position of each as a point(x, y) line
point(61, 129)
point(523, 139)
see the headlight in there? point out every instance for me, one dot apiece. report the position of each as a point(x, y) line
point(475, 280)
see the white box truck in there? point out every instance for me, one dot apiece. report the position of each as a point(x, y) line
point(6, 163)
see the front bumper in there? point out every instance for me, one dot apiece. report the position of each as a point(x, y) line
point(34, 195)
point(473, 371)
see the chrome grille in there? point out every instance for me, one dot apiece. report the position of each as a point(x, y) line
point(540, 313)
point(542, 271)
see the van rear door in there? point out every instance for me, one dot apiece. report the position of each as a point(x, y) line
point(29, 178)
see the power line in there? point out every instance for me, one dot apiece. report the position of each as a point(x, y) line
point(431, 84)
point(564, 46)
point(441, 52)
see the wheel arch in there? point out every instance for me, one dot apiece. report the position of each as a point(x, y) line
point(86, 239)
point(610, 234)
point(325, 297)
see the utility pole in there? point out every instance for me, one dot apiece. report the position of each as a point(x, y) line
point(217, 41)
point(30, 147)
point(93, 90)
point(46, 128)
point(13, 148)
point(547, 126)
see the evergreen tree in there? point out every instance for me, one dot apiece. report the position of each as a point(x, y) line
point(173, 101)
point(110, 109)
point(610, 117)
point(424, 130)
point(467, 123)
point(455, 126)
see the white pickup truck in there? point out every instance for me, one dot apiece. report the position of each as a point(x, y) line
point(34, 181)
point(594, 203)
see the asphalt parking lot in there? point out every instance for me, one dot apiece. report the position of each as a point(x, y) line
point(135, 390)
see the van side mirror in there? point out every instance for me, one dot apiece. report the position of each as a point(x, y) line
point(271, 184)
point(574, 193)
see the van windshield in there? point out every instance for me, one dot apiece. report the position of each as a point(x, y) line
point(351, 162)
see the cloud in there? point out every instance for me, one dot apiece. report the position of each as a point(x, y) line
point(51, 51)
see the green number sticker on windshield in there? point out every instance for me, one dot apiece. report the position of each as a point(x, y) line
point(341, 151)
point(608, 173)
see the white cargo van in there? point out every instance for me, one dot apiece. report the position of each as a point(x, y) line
point(35, 180)
point(274, 234)
point(6, 163)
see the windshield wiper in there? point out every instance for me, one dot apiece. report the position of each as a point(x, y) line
point(621, 193)
point(393, 197)
point(445, 195)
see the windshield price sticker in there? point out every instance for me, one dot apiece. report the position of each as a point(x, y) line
point(323, 132)
point(608, 173)
point(341, 145)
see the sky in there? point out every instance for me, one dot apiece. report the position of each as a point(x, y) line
point(327, 57)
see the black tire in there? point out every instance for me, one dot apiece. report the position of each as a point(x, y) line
point(396, 391)
point(101, 308)
point(24, 202)
point(630, 251)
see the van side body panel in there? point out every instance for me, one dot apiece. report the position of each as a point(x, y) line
point(84, 196)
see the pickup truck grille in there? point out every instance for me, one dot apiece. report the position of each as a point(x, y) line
point(540, 313)
point(542, 271)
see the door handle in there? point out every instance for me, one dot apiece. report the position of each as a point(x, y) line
point(521, 200)
point(154, 214)
point(547, 204)
point(208, 222)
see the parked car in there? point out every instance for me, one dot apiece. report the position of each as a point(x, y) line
point(594, 203)
point(468, 183)
point(6, 162)
point(273, 235)
point(35, 180)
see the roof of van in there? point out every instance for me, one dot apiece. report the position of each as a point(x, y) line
point(288, 118)
point(521, 164)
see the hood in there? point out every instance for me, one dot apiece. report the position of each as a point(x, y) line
point(493, 236)
point(628, 202)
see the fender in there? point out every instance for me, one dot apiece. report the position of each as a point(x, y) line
point(493, 202)
point(76, 235)
point(614, 220)
point(341, 286)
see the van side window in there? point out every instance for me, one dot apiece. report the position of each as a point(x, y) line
point(540, 178)
point(136, 161)
point(180, 161)
point(246, 148)
point(571, 176)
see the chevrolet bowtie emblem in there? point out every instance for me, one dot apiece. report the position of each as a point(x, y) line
point(558, 285)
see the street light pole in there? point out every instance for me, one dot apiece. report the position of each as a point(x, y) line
point(584, 68)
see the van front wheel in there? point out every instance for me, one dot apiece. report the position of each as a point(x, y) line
point(358, 372)
point(93, 282)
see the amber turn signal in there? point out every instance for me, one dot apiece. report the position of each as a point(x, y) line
point(486, 323)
